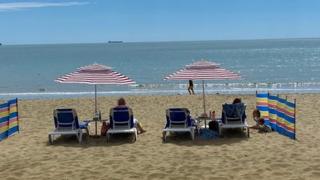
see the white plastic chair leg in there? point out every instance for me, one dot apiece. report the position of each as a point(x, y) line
point(164, 136)
point(192, 134)
point(108, 137)
point(220, 131)
point(50, 138)
point(80, 136)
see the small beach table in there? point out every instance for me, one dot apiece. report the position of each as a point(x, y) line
point(203, 119)
point(96, 119)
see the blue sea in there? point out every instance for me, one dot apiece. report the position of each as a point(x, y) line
point(278, 65)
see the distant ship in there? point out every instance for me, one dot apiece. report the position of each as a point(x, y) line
point(115, 41)
point(0, 44)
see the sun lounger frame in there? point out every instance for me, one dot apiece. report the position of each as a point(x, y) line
point(116, 129)
point(183, 127)
point(234, 123)
point(71, 129)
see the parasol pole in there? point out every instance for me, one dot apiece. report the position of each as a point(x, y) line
point(204, 98)
point(95, 99)
point(95, 108)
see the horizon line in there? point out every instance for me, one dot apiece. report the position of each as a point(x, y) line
point(160, 41)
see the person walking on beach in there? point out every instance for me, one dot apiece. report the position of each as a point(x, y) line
point(190, 87)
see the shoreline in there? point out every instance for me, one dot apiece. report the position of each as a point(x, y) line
point(88, 94)
point(75, 91)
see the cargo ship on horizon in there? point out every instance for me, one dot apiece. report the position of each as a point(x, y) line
point(115, 41)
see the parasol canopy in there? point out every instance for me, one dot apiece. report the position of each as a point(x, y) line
point(203, 70)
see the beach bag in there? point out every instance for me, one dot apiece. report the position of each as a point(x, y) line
point(214, 125)
point(104, 129)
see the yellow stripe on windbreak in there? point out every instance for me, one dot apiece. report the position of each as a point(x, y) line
point(273, 116)
point(13, 109)
point(289, 109)
point(4, 114)
point(262, 100)
point(281, 105)
point(4, 129)
point(13, 124)
point(273, 102)
point(283, 121)
point(264, 113)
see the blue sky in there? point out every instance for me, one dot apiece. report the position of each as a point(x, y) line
point(89, 21)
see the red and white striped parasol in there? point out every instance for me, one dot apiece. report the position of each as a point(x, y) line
point(95, 74)
point(203, 70)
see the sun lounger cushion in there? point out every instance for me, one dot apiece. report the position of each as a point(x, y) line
point(233, 112)
point(66, 123)
point(178, 117)
point(121, 116)
point(64, 118)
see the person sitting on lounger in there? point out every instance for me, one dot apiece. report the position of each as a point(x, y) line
point(236, 101)
point(121, 103)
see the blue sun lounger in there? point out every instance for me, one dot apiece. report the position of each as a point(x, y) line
point(233, 117)
point(178, 120)
point(66, 123)
point(122, 121)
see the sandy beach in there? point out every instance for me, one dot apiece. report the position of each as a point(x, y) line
point(28, 155)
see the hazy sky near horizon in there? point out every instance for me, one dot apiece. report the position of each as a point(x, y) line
point(89, 21)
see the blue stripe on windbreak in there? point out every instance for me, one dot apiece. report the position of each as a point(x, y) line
point(3, 135)
point(285, 132)
point(286, 117)
point(4, 105)
point(14, 114)
point(13, 101)
point(4, 119)
point(273, 97)
point(273, 126)
point(267, 122)
point(273, 111)
point(281, 100)
point(290, 104)
point(262, 108)
point(13, 130)
point(262, 95)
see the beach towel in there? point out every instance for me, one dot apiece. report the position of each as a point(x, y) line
point(207, 134)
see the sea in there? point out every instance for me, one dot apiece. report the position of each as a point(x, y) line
point(274, 65)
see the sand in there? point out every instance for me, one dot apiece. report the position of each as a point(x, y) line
point(28, 155)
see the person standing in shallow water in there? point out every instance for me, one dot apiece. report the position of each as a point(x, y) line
point(190, 87)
